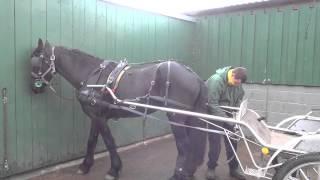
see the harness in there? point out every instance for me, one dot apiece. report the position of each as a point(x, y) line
point(116, 74)
point(92, 97)
point(113, 78)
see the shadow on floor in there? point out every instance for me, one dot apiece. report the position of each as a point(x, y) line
point(154, 161)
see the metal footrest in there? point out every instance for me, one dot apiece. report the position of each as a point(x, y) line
point(254, 172)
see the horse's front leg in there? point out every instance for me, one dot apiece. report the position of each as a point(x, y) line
point(116, 164)
point(88, 161)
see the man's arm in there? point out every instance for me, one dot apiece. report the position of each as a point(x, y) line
point(215, 91)
point(240, 97)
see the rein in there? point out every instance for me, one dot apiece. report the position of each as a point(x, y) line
point(60, 96)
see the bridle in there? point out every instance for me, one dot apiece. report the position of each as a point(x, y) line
point(40, 77)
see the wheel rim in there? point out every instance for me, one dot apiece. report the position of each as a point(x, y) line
point(305, 171)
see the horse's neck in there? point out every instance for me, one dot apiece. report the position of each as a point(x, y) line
point(75, 67)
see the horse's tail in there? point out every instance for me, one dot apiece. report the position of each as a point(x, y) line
point(201, 104)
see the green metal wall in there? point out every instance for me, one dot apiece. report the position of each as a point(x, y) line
point(281, 44)
point(43, 129)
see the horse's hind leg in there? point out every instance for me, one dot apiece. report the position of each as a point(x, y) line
point(116, 164)
point(183, 170)
point(88, 161)
point(197, 140)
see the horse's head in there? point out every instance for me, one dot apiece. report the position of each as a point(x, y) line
point(43, 67)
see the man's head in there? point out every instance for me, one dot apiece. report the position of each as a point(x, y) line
point(237, 75)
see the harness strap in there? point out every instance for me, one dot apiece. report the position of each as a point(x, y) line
point(101, 67)
point(119, 78)
point(115, 73)
point(167, 85)
point(148, 95)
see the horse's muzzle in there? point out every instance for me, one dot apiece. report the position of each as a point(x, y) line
point(37, 90)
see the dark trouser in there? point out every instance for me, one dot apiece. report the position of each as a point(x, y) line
point(215, 147)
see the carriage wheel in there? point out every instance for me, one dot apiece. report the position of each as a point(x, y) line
point(304, 167)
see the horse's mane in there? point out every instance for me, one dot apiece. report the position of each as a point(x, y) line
point(84, 54)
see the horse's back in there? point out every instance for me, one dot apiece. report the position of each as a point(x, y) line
point(168, 79)
point(184, 85)
point(136, 81)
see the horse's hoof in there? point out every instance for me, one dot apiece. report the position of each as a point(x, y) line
point(109, 177)
point(83, 169)
point(80, 171)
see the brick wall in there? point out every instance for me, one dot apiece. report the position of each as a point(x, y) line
point(280, 102)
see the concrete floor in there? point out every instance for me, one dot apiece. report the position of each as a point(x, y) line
point(154, 161)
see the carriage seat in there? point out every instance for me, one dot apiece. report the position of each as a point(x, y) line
point(267, 136)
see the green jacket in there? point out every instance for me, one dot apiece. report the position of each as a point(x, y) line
point(222, 94)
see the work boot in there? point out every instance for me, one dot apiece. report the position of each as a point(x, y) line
point(211, 175)
point(237, 174)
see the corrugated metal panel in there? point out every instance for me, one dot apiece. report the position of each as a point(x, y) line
point(276, 43)
point(67, 112)
point(291, 59)
point(39, 103)
point(248, 42)
point(203, 25)
point(23, 98)
point(275, 46)
point(7, 80)
point(316, 72)
point(224, 40)
point(260, 46)
point(236, 38)
point(213, 46)
point(44, 129)
point(306, 45)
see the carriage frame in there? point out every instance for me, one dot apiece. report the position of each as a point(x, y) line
point(294, 146)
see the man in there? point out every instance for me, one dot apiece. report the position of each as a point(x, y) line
point(225, 89)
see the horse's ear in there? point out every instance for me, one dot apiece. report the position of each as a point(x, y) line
point(40, 43)
point(47, 44)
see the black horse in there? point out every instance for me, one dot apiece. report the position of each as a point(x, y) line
point(166, 83)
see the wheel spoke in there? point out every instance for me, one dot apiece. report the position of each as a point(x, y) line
point(292, 178)
point(304, 167)
point(303, 174)
point(316, 171)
